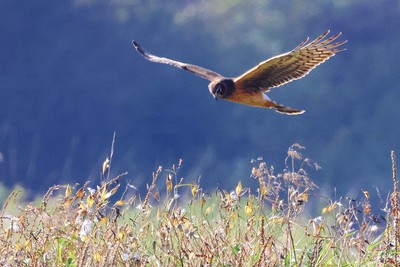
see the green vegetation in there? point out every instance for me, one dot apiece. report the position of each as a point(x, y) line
point(185, 226)
point(70, 77)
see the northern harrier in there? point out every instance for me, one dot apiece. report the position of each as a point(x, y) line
point(251, 87)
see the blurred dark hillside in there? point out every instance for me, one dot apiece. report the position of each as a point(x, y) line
point(69, 78)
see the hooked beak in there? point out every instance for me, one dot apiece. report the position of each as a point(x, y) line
point(214, 94)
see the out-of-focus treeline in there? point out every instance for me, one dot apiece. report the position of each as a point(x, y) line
point(69, 78)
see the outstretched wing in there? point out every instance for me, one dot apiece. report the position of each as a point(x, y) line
point(290, 66)
point(202, 72)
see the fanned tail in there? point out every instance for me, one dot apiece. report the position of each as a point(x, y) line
point(269, 103)
point(287, 110)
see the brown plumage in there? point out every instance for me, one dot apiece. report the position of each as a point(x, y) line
point(251, 87)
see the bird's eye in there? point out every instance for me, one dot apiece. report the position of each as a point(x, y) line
point(220, 90)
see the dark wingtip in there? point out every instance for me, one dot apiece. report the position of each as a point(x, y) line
point(136, 45)
point(138, 48)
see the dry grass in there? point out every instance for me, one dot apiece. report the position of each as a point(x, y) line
point(185, 226)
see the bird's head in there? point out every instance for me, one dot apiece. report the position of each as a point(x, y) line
point(221, 88)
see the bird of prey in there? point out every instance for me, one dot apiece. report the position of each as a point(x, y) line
point(251, 87)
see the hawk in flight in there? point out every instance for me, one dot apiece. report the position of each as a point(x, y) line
point(251, 87)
